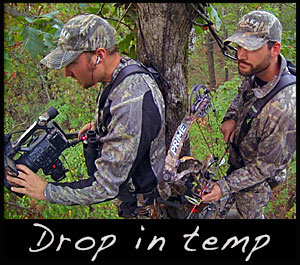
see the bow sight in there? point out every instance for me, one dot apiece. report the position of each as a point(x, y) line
point(199, 108)
point(173, 181)
point(42, 151)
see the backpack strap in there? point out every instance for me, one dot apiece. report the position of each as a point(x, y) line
point(285, 81)
point(291, 67)
point(126, 71)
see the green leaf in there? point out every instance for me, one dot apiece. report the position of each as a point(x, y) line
point(50, 15)
point(7, 62)
point(83, 5)
point(48, 41)
point(32, 43)
point(29, 32)
point(20, 18)
point(41, 20)
point(215, 17)
point(57, 32)
point(30, 19)
point(125, 44)
point(52, 31)
point(58, 23)
point(198, 30)
point(92, 10)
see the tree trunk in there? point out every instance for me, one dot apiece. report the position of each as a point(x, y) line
point(162, 42)
point(210, 62)
point(225, 66)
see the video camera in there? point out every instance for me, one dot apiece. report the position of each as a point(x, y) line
point(42, 151)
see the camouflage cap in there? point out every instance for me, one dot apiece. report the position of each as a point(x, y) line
point(255, 29)
point(81, 33)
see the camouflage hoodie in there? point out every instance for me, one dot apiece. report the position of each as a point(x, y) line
point(268, 147)
point(132, 148)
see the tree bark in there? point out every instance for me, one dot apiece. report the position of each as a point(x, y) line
point(162, 42)
point(225, 66)
point(210, 62)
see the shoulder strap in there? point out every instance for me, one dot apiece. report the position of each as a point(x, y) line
point(129, 70)
point(285, 81)
point(291, 67)
point(126, 71)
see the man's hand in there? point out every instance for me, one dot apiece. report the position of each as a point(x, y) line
point(228, 129)
point(214, 195)
point(32, 184)
point(85, 128)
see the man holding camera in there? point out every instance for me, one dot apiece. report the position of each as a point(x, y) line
point(130, 122)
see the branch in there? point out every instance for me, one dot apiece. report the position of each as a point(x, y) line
point(119, 21)
point(13, 45)
point(291, 202)
point(13, 54)
point(124, 14)
point(15, 13)
point(43, 83)
point(288, 5)
point(19, 125)
point(20, 207)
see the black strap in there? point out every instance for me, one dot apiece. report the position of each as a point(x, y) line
point(285, 81)
point(126, 71)
point(291, 67)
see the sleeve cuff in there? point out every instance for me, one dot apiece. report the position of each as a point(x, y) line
point(229, 117)
point(46, 193)
point(225, 188)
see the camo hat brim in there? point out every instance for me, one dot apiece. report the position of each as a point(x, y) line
point(255, 29)
point(246, 41)
point(80, 34)
point(59, 58)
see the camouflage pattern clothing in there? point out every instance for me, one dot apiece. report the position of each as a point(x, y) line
point(268, 147)
point(255, 29)
point(132, 143)
point(80, 34)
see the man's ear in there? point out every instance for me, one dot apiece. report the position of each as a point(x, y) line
point(276, 48)
point(101, 53)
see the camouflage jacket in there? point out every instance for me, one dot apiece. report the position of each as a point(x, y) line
point(268, 147)
point(132, 145)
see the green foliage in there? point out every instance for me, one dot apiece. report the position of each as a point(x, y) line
point(40, 34)
point(285, 12)
point(206, 137)
point(213, 14)
point(289, 46)
point(30, 89)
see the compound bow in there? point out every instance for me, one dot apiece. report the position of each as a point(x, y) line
point(173, 181)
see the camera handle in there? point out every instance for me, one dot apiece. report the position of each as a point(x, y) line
point(41, 122)
point(10, 165)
